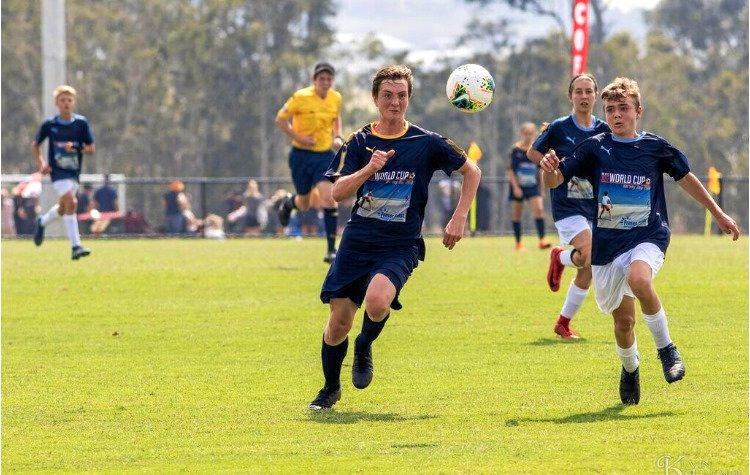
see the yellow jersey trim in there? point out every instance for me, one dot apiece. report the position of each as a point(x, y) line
point(394, 136)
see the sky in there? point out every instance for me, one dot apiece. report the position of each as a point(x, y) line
point(430, 27)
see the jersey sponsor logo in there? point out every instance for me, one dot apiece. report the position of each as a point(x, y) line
point(624, 201)
point(386, 196)
point(608, 150)
point(572, 140)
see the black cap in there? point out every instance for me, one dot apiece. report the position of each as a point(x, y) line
point(323, 68)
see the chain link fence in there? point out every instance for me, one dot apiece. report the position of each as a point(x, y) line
point(142, 206)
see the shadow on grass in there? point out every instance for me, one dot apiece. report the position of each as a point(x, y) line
point(413, 446)
point(613, 413)
point(556, 341)
point(335, 417)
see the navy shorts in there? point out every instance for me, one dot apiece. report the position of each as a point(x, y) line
point(528, 192)
point(308, 168)
point(352, 271)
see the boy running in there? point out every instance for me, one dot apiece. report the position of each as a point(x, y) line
point(388, 165)
point(628, 250)
point(69, 137)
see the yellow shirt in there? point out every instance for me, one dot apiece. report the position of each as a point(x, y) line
point(312, 115)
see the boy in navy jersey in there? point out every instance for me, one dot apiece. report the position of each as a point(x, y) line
point(573, 205)
point(523, 175)
point(629, 244)
point(69, 137)
point(388, 165)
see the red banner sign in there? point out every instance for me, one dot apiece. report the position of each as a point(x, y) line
point(580, 48)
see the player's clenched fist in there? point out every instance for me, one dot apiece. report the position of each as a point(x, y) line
point(379, 159)
point(550, 162)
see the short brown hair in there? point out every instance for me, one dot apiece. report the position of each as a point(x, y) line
point(582, 76)
point(394, 73)
point(620, 89)
point(64, 89)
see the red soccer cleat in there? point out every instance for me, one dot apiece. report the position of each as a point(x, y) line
point(556, 267)
point(562, 328)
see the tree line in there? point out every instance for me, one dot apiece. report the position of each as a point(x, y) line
point(191, 88)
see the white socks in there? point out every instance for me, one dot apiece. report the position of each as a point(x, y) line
point(628, 356)
point(50, 215)
point(71, 226)
point(566, 258)
point(574, 300)
point(657, 323)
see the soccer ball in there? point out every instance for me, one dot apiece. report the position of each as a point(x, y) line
point(470, 88)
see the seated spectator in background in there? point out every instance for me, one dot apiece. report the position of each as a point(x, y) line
point(84, 206)
point(233, 202)
point(8, 224)
point(175, 203)
point(193, 224)
point(253, 210)
point(26, 205)
point(273, 226)
point(213, 227)
point(105, 201)
point(135, 223)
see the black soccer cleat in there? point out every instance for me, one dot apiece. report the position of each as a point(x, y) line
point(39, 232)
point(362, 365)
point(671, 363)
point(284, 211)
point(329, 257)
point(326, 399)
point(630, 387)
point(79, 252)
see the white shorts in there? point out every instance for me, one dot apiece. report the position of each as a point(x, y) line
point(570, 227)
point(64, 186)
point(611, 281)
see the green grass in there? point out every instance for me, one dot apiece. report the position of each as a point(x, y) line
point(196, 355)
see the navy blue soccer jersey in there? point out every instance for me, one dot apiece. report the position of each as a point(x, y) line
point(65, 164)
point(575, 196)
point(389, 208)
point(628, 181)
point(527, 172)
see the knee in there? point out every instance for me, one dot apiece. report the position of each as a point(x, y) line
point(377, 306)
point(624, 323)
point(338, 328)
point(639, 283)
point(585, 253)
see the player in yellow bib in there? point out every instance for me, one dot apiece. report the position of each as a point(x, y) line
point(312, 120)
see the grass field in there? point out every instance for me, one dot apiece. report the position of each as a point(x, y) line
point(195, 355)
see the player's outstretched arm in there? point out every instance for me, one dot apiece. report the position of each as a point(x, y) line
point(348, 185)
point(454, 230)
point(550, 166)
point(694, 188)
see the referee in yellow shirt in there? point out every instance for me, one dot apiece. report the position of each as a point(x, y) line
point(312, 119)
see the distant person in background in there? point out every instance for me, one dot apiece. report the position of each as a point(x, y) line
point(573, 205)
point(309, 221)
point(135, 223)
point(69, 137)
point(85, 199)
point(105, 201)
point(8, 224)
point(273, 226)
point(232, 202)
point(523, 175)
point(85, 204)
point(213, 227)
point(26, 205)
point(253, 210)
point(174, 202)
point(312, 120)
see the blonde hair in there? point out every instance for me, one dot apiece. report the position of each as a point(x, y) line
point(64, 89)
point(620, 89)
